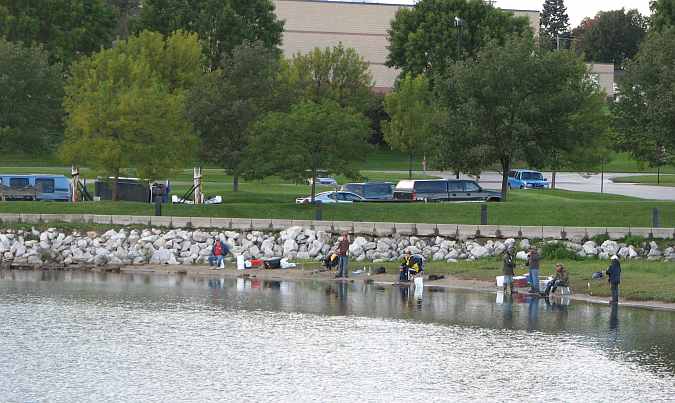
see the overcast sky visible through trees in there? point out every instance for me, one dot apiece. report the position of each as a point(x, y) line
point(577, 9)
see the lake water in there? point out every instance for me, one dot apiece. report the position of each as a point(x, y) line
point(76, 336)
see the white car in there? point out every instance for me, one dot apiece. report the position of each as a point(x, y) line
point(331, 197)
point(325, 180)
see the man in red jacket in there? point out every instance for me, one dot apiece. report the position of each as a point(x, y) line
point(342, 251)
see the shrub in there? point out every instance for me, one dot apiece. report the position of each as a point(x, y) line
point(599, 239)
point(634, 240)
point(558, 251)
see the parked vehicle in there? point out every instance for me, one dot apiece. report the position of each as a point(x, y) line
point(324, 180)
point(443, 190)
point(35, 187)
point(526, 179)
point(331, 197)
point(371, 190)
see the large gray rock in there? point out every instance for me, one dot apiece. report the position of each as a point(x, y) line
point(610, 247)
point(590, 248)
point(479, 252)
point(161, 256)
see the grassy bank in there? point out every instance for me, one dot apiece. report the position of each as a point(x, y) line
point(664, 180)
point(641, 280)
point(269, 200)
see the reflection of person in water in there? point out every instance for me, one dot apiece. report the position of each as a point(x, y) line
point(507, 311)
point(342, 295)
point(533, 313)
point(614, 317)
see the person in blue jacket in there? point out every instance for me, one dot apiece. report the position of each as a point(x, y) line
point(614, 273)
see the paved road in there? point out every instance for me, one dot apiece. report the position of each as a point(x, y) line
point(591, 183)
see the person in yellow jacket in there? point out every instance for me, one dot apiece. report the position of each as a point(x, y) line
point(411, 265)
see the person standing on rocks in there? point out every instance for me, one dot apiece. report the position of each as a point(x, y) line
point(533, 266)
point(507, 270)
point(614, 273)
point(342, 251)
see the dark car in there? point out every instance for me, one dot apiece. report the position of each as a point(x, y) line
point(371, 190)
point(443, 190)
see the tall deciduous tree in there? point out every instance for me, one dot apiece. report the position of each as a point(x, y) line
point(221, 24)
point(663, 14)
point(644, 108)
point(611, 37)
point(338, 73)
point(310, 137)
point(519, 102)
point(125, 106)
point(424, 38)
point(31, 93)
point(66, 29)
point(411, 110)
point(225, 103)
point(555, 24)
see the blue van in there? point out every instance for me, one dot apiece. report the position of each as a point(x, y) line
point(45, 187)
point(526, 179)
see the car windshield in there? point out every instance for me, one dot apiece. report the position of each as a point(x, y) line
point(377, 189)
point(533, 176)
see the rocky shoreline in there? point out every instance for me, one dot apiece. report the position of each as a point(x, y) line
point(157, 246)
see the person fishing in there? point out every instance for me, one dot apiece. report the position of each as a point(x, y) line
point(411, 266)
point(533, 269)
point(614, 274)
point(561, 279)
point(218, 253)
point(508, 269)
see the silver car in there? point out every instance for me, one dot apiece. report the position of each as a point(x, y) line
point(331, 197)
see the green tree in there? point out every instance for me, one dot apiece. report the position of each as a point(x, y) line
point(410, 108)
point(555, 24)
point(126, 105)
point(225, 103)
point(611, 37)
point(309, 138)
point(520, 102)
point(31, 93)
point(644, 109)
point(221, 24)
point(424, 38)
point(338, 73)
point(66, 29)
point(663, 14)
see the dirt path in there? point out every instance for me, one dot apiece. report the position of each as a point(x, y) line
point(304, 272)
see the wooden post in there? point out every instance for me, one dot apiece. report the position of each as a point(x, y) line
point(197, 177)
point(75, 183)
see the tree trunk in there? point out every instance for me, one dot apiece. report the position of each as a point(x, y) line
point(506, 167)
point(457, 174)
point(313, 185)
point(410, 165)
point(553, 179)
point(235, 182)
point(114, 184)
point(658, 175)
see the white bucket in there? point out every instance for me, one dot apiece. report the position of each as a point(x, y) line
point(240, 262)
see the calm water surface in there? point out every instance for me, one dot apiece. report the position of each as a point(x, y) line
point(71, 337)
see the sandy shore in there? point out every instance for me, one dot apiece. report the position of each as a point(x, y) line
point(315, 272)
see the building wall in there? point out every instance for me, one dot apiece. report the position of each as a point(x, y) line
point(311, 23)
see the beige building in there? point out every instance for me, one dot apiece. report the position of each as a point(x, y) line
point(362, 26)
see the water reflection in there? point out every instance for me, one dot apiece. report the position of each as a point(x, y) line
point(463, 332)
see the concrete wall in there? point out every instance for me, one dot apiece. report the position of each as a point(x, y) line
point(361, 26)
point(458, 231)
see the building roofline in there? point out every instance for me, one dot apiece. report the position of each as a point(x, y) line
point(375, 3)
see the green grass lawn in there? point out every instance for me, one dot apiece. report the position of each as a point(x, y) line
point(664, 180)
point(640, 281)
point(276, 200)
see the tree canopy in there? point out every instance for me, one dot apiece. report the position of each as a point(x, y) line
point(226, 102)
point(310, 137)
point(555, 23)
point(611, 36)
point(425, 38)
point(644, 109)
point(31, 93)
point(66, 29)
point(221, 24)
point(411, 110)
point(663, 14)
point(338, 73)
point(126, 106)
point(519, 102)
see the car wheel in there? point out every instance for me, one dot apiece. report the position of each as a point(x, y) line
point(522, 186)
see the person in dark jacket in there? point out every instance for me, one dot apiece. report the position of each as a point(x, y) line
point(614, 274)
point(342, 252)
point(533, 266)
point(411, 266)
point(508, 269)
